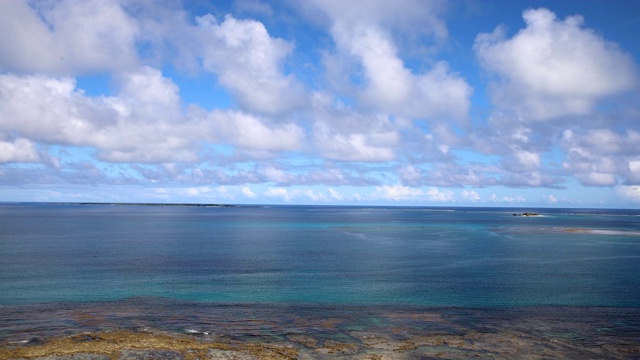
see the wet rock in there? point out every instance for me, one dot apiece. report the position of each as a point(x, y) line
point(304, 340)
point(150, 355)
point(527, 214)
point(334, 347)
point(230, 355)
point(75, 357)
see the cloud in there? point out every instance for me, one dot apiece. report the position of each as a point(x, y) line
point(420, 17)
point(334, 195)
point(409, 174)
point(278, 192)
point(363, 31)
point(304, 195)
point(629, 193)
point(18, 150)
point(397, 192)
point(249, 63)
point(143, 123)
point(371, 97)
point(470, 195)
point(66, 37)
point(341, 134)
point(254, 136)
point(435, 194)
point(602, 157)
point(553, 67)
point(248, 193)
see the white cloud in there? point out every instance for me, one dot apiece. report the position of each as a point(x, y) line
point(409, 174)
point(390, 86)
point(197, 191)
point(246, 191)
point(252, 133)
point(599, 157)
point(278, 192)
point(276, 175)
point(527, 160)
point(470, 195)
point(553, 67)
point(141, 124)
point(398, 192)
point(420, 17)
point(249, 63)
point(362, 31)
point(435, 194)
point(348, 136)
point(66, 37)
point(305, 195)
point(18, 150)
point(335, 195)
point(629, 193)
point(144, 122)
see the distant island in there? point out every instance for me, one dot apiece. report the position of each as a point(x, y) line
point(153, 204)
point(527, 214)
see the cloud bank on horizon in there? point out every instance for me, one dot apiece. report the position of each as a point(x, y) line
point(323, 102)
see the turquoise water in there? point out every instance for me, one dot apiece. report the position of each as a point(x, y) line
point(462, 257)
point(566, 284)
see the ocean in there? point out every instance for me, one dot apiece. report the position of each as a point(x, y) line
point(273, 272)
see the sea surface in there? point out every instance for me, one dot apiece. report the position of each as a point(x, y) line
point(282, 270)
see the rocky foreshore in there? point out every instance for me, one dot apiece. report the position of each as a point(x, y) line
point(129, 345)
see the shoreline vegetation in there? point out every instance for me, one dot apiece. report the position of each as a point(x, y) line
point(148, 344)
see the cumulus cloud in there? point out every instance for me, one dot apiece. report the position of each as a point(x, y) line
point(66, 37)
point(553, 67)
point(363, 30)
point(409, 174)
point(629, 193)
point(398, 192)
point(249, 63)
point(18, 150)
point(73, 37)
point(470, 195)
point(141, 124)
point(306, 195)
point(435, 194)
point(144, 122)
point(602, 157)
point(369, 103)
point(246, 191)
point(342, 134)
point(253, 135)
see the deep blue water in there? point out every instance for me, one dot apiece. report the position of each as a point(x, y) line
point(463, 257)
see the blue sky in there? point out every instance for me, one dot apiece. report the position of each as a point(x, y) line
point(407, 102)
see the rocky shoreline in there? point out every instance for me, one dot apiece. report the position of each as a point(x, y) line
point(143, 345)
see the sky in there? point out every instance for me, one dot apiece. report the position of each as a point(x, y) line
point(361, 102)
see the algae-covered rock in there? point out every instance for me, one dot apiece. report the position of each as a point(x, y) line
point(230, 355)
point(150, 355)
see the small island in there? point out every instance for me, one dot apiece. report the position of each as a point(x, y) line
point(527, 214)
